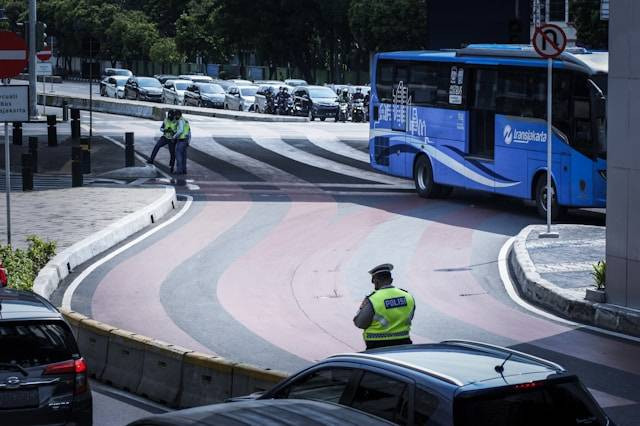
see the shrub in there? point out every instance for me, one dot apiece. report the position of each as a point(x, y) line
point(23, 265)
point(600, 274)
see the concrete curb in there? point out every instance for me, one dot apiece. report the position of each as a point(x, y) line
point(567, 303)
point(156, 111)
point(162, 372)
point(63, 263)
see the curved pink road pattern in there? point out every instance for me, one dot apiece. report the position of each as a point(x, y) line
point(449, 244)
point(288, 305)
point(130, 293)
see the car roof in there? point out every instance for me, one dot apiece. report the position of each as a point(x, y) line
point(461, 363)
point(179, 80)
point(16, 304)
point(286, 411)
point(314, 87)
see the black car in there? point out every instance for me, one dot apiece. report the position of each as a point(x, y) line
point(204, 95)
point(163, 78)
point(43, 377)
point(270, 412)
point(143, 89)
point(315, 102)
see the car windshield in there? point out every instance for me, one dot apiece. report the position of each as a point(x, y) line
point(248, 91)
point(121, 82)
point(121, 72)
point(549, 404)
point(149, 82)
point(181, 86)
point(322, 92)
point(201, 78)
point(35, 343)
point(210, 88)
point(296, 82)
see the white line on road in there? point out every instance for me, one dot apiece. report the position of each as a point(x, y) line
point(68, 294)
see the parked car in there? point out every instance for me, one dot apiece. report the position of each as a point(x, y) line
point(43, 377)
point(143, 89)
point(163, 78)
point(173, 91)
point(261, 82)
point(114, 86)
point(204, 95)
point(315, 101)
point(109, 72)
point(260, 103)
point(196, 78)
point(269, 412)
point(240, 82)
point(452, 382)
point(240, 98)
point(295, 82)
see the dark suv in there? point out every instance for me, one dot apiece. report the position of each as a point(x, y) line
point(457, 383)
point(43, 378)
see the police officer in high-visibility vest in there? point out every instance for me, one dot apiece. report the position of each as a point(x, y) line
point(168, 129)
point(182, 138)
point(386, 314)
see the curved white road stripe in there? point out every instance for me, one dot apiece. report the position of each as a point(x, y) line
point(505, 276)
point(68, 294)
point(331, 143)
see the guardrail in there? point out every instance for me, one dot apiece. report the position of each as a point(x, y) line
point(162, 372)
point(154, 111)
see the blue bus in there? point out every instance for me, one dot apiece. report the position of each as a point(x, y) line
point(476, 118)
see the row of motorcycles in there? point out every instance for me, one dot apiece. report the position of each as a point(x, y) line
point(282, 103)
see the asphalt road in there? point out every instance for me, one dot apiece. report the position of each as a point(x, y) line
point(268, 263)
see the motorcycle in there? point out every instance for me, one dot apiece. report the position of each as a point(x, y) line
point(358, 112)
point(285, 106)
point(270, 107)
point(343, 112)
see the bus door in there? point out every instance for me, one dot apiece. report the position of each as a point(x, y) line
point(399, 113)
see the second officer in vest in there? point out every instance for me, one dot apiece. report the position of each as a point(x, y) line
point(386, 314)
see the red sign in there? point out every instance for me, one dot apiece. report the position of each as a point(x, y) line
point(13, 54)
point(44, 55)
point(549, 41)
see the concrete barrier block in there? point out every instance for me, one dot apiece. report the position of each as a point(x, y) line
point(206, 379)
point(93, 340)
point(124, 362)
point(248, 379)
point(162, 372)
point(74, 319)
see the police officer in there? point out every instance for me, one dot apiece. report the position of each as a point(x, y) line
point(358, 96)
point(386, 314)
point(182, 138)
point(168, 129)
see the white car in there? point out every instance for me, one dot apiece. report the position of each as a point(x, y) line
point(173, 91)
point(196, 78)
point(114, 86)
point(240, 98)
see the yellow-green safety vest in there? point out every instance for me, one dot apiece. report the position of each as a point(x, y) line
point(185, 130)
point(392, 309)
point(170, 128)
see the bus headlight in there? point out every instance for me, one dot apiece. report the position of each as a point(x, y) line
point(603, 173)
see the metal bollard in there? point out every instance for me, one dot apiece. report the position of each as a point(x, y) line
point(27, 172)
point(76, 166)
point(129, 150)
point(52, 130)
point(17, 133)
point(75, 123)
point(85, 144)
point(33, 150)
point(65, 111)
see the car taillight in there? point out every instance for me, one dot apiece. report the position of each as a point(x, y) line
point(65, 367)
point(77, 367)
point(525, 386)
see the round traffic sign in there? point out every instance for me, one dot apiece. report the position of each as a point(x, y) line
point(549, 41)
point(44, 55)
point(13, 54)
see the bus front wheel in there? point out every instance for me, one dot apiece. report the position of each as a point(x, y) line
point(423, 178)
point(541, 199)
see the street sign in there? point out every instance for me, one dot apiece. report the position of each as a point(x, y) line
point(549, 41)
point(44, 55)
point(14, 103)
point(44, 68)
point(13, 54)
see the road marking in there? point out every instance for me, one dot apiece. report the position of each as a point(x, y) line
point(606, 400)
point(68, 294)
point(509, 286)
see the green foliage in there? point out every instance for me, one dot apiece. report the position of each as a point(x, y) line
point(164, 50)
point(197, 32)
point(600, 274)
point(592, 32)
point(23, 265)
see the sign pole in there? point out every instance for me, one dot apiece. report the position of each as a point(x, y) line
point(7, 175)
point(549, 140)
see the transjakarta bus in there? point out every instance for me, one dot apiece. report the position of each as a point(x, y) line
point(476, 118)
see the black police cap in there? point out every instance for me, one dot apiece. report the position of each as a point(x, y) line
point(385, 267)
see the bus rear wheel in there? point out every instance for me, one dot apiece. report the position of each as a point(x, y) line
point(423, 178)
point(541, 199)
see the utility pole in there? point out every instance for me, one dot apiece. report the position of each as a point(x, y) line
point(33, 90)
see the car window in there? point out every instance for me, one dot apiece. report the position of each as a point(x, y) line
point(248, 91)
point(425, 405)
point(36, 343)
point(111, 81)
point(382, 396)
point(149, 82)
point(326, 384)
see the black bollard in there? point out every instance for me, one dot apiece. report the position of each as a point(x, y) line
point(129, 150)
point(75, 123)
point(27, 172)
point(33, 150)
point(76, 166)
point(65, 111)
point(52, 130)
point(17, 133)
point(85, 144)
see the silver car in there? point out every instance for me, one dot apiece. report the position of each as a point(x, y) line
point(173, 91)
point(196, 78)
point(240, 98)
point(114, 86)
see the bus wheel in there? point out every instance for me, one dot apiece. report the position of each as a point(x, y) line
point(541, 200)
point(423, 178)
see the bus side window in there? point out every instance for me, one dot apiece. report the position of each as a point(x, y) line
point(521, 93)
point(561, 102)
point(385, 84)
point(581, 105)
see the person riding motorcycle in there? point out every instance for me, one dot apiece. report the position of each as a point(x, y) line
point(358, 96)
point(343, 96)
point(282, 99)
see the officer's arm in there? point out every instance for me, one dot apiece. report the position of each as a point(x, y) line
point(365, 315)
point(179, 129)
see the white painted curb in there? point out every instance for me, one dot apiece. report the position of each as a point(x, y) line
point(64, 262)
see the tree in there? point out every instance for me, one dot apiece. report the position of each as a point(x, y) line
point(592, 32)
point(164, 51)
point(131, 35)
point(197, 34)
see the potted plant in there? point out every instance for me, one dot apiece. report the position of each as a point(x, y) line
point(599, 275)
